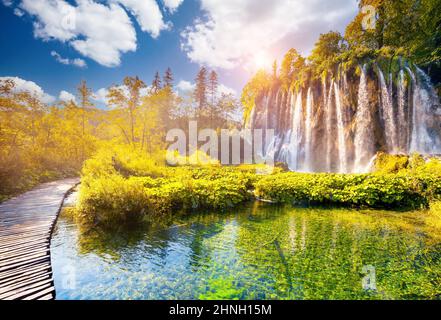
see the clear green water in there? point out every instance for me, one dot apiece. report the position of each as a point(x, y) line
point(257, 252)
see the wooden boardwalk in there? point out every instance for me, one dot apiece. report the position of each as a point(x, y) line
point(26, 224)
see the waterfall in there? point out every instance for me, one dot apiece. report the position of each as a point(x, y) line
point(342, 153)
point(308, 131)
point(296, 133)
point(402, 123)
point(265, 124)
point(329, 137)
point(387, 112)
point(350, 120)
point(284, 150)
point(424, 97)
point(364, 145)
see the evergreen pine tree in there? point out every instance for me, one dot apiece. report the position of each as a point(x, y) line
point(212, 90)
point(200, 93)
point(156, 84)
point(168, 78)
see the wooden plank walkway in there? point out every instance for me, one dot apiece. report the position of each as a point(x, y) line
point(26, 225)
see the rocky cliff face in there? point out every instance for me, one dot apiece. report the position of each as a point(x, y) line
point(340, 123)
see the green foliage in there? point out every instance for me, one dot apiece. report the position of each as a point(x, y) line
point(435, 208)
point(326, 52)
point(123, 185)
point(256, 86)
point(385, 163)
point(376, 191)
point(398, 182)
point(38, 142)
point(292, 68)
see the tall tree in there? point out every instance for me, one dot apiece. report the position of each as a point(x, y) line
point(328, 47)
point(292, 63)
point(85, 95)
point(127, 97)
point(156, 83)
point(212, 91)
point(168, 78)
point(200, 93)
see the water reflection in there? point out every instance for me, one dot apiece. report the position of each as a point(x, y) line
point(257, 252)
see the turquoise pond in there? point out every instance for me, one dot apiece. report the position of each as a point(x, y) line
point(256, 252)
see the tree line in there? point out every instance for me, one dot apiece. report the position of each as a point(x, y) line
point(41, 142)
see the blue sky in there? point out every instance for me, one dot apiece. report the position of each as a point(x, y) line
point(116, 38)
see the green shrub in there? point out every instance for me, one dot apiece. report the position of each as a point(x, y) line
point(377, 191)
point(124, 186)
point(385, 163)
point(117, 187)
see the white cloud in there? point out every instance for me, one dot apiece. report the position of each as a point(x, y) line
point(66, 96)
point(236, 30)
point(76, 62)
point(147, 14)
point(55, 19)
point(185, 86)
point(79, 63)
point(7, 3)
point(18, 12)
point(22, 85)
point(101, 95)
point(100, 31)
point(172, 5)
point(108, 32)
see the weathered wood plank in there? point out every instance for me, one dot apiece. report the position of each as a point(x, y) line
point(24, 292)
point(43, 258)
point(24, 276)
point(25, 283)
point(48, 294)
point(26, 224)
point(13, 244)
point(24, 269)
point(20, 248)
point(23, 257)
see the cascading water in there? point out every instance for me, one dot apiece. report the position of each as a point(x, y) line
point(387, 112)
point(342, 153)
point(308, 131)
point(424, 98)
point(329, 125)
point(340, 123)
point(363, 142)
point(402, 131)
point(419, 138)
point(296, 133)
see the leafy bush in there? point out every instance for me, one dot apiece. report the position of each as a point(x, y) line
point(386, 163)
point(120, 186)
point(123, 186)
point(377, 191)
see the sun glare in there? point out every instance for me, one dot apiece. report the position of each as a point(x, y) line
point(261, 61)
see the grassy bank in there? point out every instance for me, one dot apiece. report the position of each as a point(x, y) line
point(122, 185)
